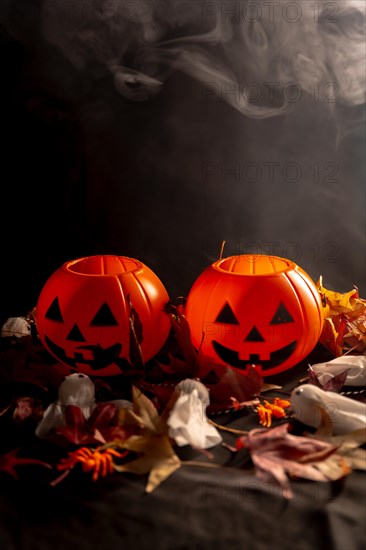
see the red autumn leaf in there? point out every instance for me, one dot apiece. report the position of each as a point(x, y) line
point(334, 384)
point(101, 426)
point(136, 335)
point(313, 378)
point(105, 419)
point(182, 335)
point(76, 429)
point(177, 367)
point(278, 455)
point(27, 407)
point(29, 366)
point(102, 415)
point(242, 388)
point(10, 461)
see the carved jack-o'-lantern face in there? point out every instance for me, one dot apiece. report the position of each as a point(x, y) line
point(84, 313)
point(254, 310)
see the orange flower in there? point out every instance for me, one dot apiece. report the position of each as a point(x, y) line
point(92, 460)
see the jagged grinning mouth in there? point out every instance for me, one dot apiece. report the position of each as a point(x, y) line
point(231, 357)
point(102, 357)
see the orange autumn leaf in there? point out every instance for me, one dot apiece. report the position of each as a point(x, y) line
point(344, 321)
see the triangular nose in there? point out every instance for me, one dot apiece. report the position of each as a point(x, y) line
point(254, 336)
point(75, 335)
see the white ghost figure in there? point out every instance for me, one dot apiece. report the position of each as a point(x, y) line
point(356, 376)
point(346, 414)
point(77, 389)
point(187, 421)
point(15, 327)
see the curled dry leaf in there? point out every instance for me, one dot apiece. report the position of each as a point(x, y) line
point(334, 384)
point(279, 456)
point(156, 458)
point(345, 321)
point(153, 447)
point(347, 445)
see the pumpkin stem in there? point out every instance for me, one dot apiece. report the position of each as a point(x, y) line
point(222, 249)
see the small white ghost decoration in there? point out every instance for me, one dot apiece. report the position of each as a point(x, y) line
point(15, 327)
point(346, 414)
point(356, 376)
point(187, 421)
point(77, 389)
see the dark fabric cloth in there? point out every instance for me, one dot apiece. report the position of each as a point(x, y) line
point(197, 507)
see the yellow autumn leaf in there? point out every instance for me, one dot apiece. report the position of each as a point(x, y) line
point(344, 320)
point(144, 414)
point(158, 459)
point(348, 456)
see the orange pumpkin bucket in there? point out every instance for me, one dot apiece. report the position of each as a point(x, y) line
point(83, 313)
point(254, 310)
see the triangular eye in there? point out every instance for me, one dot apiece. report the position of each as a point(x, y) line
point(75, 335)
point(281, 316)
point(104, 317)
point(54, 312)
point(227, 316)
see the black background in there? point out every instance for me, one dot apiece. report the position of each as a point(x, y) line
point(86, 171)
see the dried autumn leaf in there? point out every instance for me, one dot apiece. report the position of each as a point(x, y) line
point(176, 366)
point(279, 456)
point(103, 423)
point(75, 430)
point(158, 459)
point(347, 445)
point(344, 320)
point(102, 426)
point(232, 384)
point(27, 407)
point(355, 457)
point(136, 336)
point(334, 384)
point(144, 415)
point(182, 333)
point(10, 461)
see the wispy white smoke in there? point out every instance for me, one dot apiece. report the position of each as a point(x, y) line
point(234, 48)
